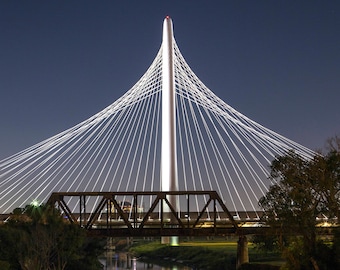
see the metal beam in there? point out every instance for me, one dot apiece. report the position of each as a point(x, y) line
point(164, 226)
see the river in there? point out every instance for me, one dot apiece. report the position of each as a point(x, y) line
point(120, 261)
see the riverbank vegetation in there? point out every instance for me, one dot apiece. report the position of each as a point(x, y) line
point(303, 199)
point(204, 254)
point(36, 237)
point(196, 256)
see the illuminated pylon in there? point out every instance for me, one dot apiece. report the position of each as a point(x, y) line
point(168, 153)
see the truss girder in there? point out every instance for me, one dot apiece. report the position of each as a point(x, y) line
point(168, 223)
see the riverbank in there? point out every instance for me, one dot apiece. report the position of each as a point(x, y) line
point(204, 254)
point(195, 257)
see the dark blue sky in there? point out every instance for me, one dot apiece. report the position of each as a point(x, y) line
point(277, 62)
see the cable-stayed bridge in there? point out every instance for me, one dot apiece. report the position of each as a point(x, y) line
point(120, 148)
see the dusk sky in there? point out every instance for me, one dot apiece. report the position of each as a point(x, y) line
point(277, 62)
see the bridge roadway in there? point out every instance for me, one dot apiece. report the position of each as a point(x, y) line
point(120, 214)
point(154, 227)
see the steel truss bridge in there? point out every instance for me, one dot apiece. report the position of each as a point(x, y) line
point(120, 214)
point(116, 215)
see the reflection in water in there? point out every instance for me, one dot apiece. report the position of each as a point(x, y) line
point(120, 261)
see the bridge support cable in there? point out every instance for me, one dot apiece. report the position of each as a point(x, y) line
point(119, 148)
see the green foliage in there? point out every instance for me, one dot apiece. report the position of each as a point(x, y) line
point(4, 265)
point(197, 256)
point(336, 246)
point(266, 243)
point(37, 237)
point(88, 255)
point(252, 266)
point(302, 191)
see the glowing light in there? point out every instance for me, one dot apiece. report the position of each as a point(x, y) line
point(174, 241)
point(35, 203)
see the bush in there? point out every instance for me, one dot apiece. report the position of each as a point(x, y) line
point(4, 265)
point(252, 266)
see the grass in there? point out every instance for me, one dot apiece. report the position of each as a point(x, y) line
point(200, 257)
point(203, 254)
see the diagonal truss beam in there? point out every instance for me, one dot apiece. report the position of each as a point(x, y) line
point(136, 226)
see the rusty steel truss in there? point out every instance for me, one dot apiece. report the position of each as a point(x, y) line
point(111, 218)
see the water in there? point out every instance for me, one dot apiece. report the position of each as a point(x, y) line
point(120, 261)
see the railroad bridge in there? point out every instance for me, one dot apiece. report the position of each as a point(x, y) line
point(121, 213)
point(113, 217)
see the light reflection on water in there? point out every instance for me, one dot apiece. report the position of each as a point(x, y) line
point(120, 261)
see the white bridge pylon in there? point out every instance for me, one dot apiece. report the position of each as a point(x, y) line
point(119, 148)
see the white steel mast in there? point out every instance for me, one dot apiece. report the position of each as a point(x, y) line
point(168, 155)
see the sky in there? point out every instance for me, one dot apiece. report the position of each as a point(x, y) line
point(277, 62)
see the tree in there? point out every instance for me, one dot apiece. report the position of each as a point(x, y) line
point(36, 237)
point(303, 190)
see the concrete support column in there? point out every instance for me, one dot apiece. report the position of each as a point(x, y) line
point(242, 251)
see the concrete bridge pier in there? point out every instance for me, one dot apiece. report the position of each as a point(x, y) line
point(242, 251)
